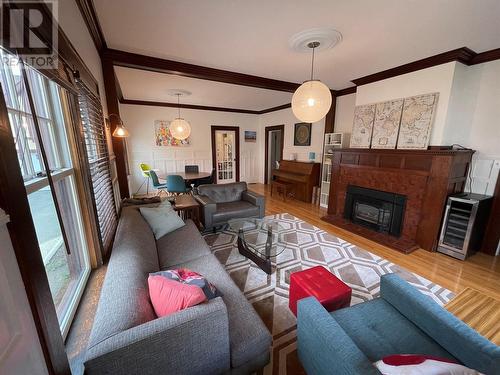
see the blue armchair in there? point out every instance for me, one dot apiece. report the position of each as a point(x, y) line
point(401, 321)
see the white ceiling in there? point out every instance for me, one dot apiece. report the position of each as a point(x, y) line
point(151, 86)
point(252, 36)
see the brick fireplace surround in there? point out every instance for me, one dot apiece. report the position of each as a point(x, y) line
point(425, 177)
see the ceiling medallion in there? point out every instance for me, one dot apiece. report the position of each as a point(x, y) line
point(326, 37)
point(178, 92)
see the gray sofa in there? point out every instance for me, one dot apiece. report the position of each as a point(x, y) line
point(220, 203)
point(224, 335)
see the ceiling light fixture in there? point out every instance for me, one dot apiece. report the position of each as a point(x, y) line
point(313, 99)
point(120, 130)
point(180, 128)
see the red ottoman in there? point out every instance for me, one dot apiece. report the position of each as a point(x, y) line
point(318, 282)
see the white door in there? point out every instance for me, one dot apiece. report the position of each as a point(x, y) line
point(20, 351)
point(225, 146)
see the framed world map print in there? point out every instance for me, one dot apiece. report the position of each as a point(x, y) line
point(416, 121)
point(386, 124)
point(362, 126)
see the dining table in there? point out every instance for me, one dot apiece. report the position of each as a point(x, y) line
point(190, 177)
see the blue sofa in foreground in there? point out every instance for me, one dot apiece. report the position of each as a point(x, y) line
point(401, 321)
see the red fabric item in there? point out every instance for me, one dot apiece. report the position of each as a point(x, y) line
point(411, 359)
point(318, 282)
point(169, 296)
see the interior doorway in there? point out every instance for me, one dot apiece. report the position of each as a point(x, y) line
point(226, 153)
point(275, 139)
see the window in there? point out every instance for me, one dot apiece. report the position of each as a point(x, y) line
point(40, 136)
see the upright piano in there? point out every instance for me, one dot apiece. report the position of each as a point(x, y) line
point(303, 175)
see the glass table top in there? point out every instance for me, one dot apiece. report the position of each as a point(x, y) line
point(262, 236)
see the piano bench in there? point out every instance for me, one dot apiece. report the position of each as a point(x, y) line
point(283, 187)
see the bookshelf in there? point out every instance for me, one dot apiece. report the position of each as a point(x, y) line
point(331, 142)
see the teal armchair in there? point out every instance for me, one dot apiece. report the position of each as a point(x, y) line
point(401, 321)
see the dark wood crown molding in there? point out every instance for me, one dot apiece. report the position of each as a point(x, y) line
point(203, 107)
point(155, 64)
point(89, 15)
point(187, 106)
point(274, 109)
point(463, 55)
point(486, 56)
point(346, 91)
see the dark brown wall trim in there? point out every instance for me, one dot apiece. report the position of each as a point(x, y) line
point(274, 109)
point(187, 106)
point(346, 91)
point(203, 107)
point(492, 234)
point(463, 55)
point(486, 56)
point(89, 15)
point(119, 147)
point(155, 64)
point(266, 151)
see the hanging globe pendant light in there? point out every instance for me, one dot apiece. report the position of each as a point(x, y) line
point(180, 128)
point(313, 99)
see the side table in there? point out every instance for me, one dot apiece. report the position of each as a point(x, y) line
point(188, 208)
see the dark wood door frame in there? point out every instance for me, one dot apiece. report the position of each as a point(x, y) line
point(492, 235)
point(266, 151)
point(236, 129)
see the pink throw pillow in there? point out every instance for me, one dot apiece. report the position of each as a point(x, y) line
point(169, 296)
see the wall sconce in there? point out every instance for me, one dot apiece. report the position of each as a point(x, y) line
point(120, 130)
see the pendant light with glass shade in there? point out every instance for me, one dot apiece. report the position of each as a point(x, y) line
point(313, 99)
point(180, 128)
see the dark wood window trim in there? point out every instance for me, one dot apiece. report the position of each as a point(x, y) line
point(14, 201)
point(236, 129)
point(268, 129)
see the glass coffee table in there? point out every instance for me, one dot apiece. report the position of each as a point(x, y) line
point(259, 240)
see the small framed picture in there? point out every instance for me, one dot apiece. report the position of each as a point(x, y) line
point(302, 134)
point(250, 136)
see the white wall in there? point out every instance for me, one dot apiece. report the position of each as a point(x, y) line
point(468, 110)
point(287, 118)
point(474, 120)
point(344, 113)
point(435, 79)
point(139, 120)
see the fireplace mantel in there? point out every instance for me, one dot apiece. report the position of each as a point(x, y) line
point(425, 177)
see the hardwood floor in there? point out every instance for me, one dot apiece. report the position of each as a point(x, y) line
point(480, 271)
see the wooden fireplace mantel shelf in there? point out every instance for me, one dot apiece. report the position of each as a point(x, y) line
point(425, 177)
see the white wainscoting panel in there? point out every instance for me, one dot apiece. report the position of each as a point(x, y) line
point(484, 174)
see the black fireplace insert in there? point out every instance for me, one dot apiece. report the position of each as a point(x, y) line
point(375, 209)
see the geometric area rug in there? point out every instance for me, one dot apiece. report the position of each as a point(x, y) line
point(306, 246)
